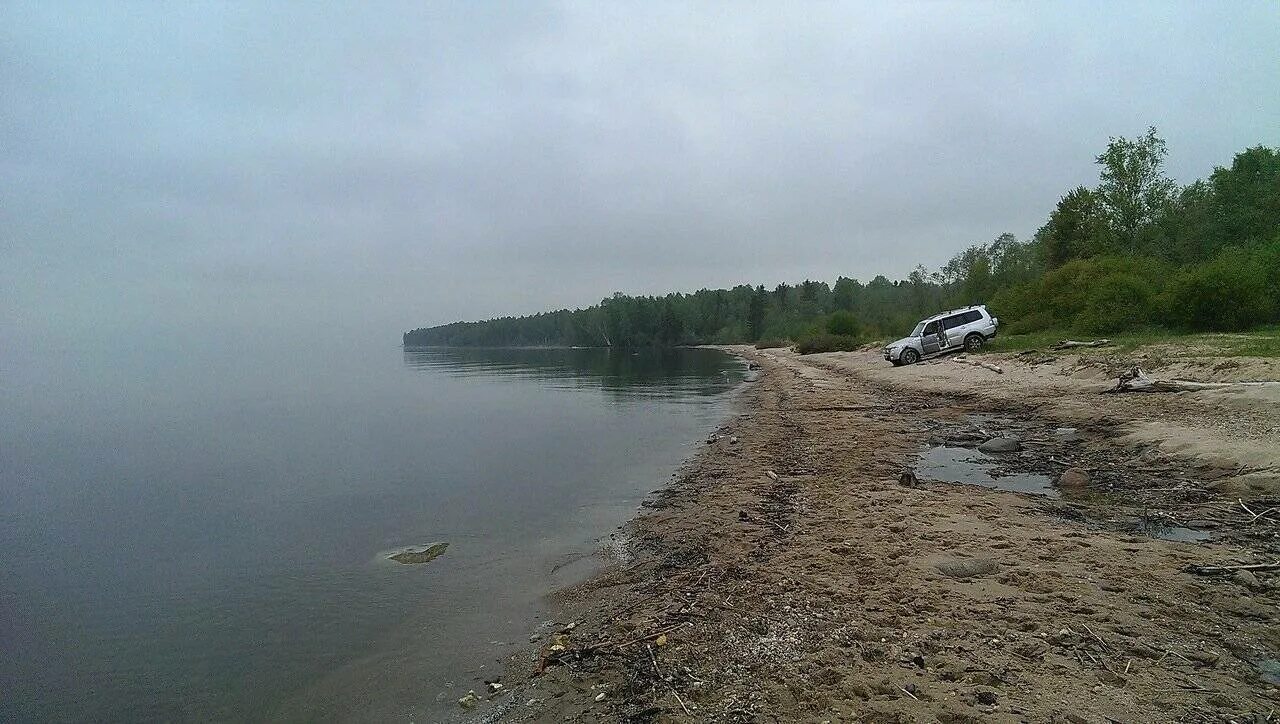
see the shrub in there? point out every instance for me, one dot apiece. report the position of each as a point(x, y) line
point(1102, 294)
point(1228, 293)
point(1020, 309)
point(1116, 302)
point(1034, 322)
point(772, 343)
point(843, 324)
point(828, 343)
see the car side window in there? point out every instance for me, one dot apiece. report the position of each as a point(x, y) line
point(931, 328)
point(953, 322)
point(971, 317)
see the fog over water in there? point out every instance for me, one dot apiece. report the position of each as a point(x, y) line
point(219, 174)
point(216, 220)
point(187, 548)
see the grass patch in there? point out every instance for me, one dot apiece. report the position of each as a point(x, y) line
point(1264, 342)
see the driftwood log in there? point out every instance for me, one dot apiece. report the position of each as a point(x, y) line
point(1135, 380)
point(1072, 344)
point(978, 363)
point(1224, 570)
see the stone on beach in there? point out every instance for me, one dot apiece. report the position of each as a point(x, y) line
point(1074, 478)
point(1000, 445)
point(967, 568)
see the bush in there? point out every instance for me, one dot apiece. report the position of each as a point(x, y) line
point(1034, 322)
point(1098, 295)
point(1228, 293)
point(843, 324)
point(828, 343)
point(1020, 309)
point(773, 343)
point(1115, 303)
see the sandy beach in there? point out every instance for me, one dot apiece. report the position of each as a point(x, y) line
point(805, 565)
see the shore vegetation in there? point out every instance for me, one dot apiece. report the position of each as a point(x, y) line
point(1137, 254)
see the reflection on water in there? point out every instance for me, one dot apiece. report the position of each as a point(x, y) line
point(647, 372)
point(1158, 529)
point(201, 542)
point(971, 467)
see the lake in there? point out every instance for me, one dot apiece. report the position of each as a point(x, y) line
point(196, 537)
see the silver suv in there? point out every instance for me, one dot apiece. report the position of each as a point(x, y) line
point(968, 328)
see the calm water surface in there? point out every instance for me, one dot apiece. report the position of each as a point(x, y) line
point(200, 538)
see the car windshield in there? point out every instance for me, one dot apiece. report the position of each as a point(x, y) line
point(917, 331)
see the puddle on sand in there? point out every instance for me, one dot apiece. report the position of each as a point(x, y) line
point(971, 467)
point(1171, 532)
point(962, 465)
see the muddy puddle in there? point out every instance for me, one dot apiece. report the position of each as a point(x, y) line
point(966, 466)
point(971, 467)
point(1155, 529)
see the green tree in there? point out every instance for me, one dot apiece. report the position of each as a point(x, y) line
point(755, 315)
point(1247, 196)
point(1134, 188)
point(843, 323)
point(1076, 228)
point(845, 293)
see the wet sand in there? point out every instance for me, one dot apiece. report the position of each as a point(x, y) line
point(789, 574)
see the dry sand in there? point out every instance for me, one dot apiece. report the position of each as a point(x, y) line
point(788, 574)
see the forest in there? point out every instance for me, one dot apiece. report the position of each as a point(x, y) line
point(1136, 251)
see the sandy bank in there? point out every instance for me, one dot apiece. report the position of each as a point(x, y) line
point(787, 575)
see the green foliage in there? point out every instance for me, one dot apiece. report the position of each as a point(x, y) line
point(1116, 302)
point(1247, 197)
point(1133, 189)
point(843, 323)
point(828, 343)
point(1135, 251)
point(1228, 293)
point(1098, 295)
point(1259, 342)
point(1076, 229)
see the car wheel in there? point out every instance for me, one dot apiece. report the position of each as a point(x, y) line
point(909, 357)
point(973, 343)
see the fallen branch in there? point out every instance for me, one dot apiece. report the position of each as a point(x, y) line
point(653, 635)
point(1263, 514)
point(977, 363)
point(663, 679)
point(1221, 570)
point(1072, 344)
point(1096, 636)
point(1135, 380)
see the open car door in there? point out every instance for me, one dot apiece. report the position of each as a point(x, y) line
point(929, 340)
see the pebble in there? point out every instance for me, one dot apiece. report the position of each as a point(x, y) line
point(1204, 658)
point(1247, 579)
point(1074, 478)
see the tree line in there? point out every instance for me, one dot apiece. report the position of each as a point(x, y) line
point(1135, 251)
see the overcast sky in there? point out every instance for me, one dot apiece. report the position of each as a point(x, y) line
point(359, 169)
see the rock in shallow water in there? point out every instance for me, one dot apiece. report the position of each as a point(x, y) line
point(419, 554)
point(1000, 445)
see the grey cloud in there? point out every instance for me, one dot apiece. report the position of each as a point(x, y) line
point(367, 168)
